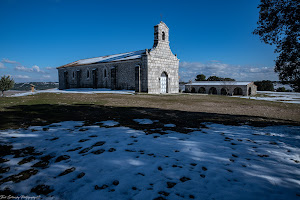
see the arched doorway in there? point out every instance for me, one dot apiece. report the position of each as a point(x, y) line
point(223, 91)
point(193, 90)
point(164, 83)
point(113, 78)
point(78, 78)
point(105, 78)
point(202, 90)
point(237, 91)
point(95, 78)
point(212, 90)
point(66, 80)
point(249, 91)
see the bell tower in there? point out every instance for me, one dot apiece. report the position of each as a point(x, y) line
point(162, 64)
point(161, 34)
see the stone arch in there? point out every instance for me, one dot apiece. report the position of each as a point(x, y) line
point(212, 90)
point(164, 82)
point(163, 35)
point(193, 90)
point(202, 90)
point(223, 91)
point(249, 91)
point(237, 91)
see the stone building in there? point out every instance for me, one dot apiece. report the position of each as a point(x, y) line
point(152, 70)
point(222, 87)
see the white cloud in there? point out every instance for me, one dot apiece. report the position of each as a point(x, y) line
point(189, 70)
point(21, 76)
point(22, 68)
point(261, 70)
point(34, 73)
point(50, 68)
point(2, 65)
point(5, 60)
point(34, 68)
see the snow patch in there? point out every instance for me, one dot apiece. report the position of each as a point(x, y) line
point(170, 125)
point(109, 123)
point(76, 91)
point(143, 121)
point(124, 163)
point(284, 97)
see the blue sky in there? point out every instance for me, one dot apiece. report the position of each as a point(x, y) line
point(211, 37)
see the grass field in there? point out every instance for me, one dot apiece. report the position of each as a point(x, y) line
point(184, 109)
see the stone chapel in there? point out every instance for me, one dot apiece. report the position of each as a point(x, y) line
point(154, 70)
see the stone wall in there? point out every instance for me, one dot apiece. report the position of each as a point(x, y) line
point(125, 75)
point(229, 89)
point(253, 89)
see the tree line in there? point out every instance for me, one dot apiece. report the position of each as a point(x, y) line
point(264, 85)
point(202, 77)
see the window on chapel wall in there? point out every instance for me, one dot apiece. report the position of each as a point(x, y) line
point(163, 36)
point(105, 73)
point(88, 74)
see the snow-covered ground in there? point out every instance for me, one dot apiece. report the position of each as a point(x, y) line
point(286, 97)
point(71, 160)
point(278, 85)
point(76, 90)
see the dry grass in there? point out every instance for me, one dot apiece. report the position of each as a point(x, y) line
point(179, 109)
point(209, 104)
